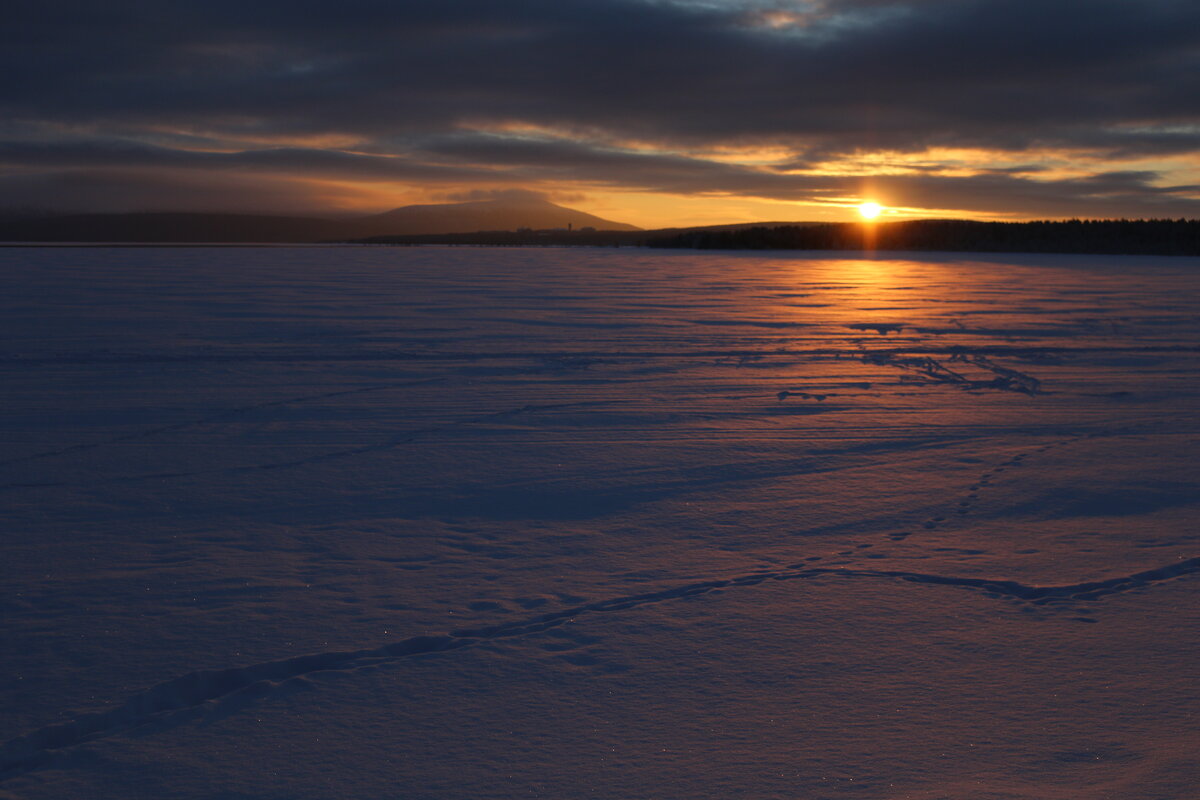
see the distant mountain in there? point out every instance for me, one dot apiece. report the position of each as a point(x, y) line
point(489, 215)
point(486, 215)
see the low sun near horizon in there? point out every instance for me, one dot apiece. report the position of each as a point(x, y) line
point(870, 210)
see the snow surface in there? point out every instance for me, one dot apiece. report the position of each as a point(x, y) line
point(500, 523)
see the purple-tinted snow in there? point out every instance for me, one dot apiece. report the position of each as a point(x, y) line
point(500, 523)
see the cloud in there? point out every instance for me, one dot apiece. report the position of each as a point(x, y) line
point(117, 190)
point(112, 176)
point(625, 93)
point(1128, 193)
point(477, 195)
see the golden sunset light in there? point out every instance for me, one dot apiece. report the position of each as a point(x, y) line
point(477, 400)
point(870, 210)
point(320, 129)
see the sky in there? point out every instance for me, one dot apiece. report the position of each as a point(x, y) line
point(653, 112)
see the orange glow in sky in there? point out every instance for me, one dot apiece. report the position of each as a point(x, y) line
point(870, 210)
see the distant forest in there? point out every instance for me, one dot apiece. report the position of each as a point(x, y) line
point(1113, 237)
point(1118, 237)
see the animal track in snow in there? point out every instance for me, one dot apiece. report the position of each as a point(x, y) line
point(217, 689)
point(220, 416)
point(387, 444)
point(962, 507)
point(929, 370)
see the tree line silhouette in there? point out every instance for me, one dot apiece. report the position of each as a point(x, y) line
point(1117, 237)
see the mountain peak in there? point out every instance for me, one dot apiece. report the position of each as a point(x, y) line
point(506, 213)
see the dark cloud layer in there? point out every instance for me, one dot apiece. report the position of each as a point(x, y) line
point(405, 87)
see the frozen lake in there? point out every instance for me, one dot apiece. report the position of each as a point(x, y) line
point(565, 523)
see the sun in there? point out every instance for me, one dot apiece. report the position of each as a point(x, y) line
point(870, 210)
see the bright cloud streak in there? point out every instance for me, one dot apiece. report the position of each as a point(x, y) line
point(655, 112)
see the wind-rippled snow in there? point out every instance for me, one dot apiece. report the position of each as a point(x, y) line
point(475, 522)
